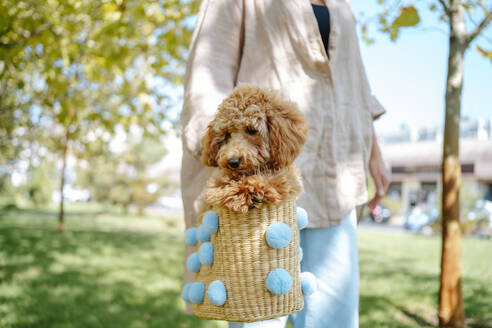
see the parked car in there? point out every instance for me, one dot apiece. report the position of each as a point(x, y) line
point(420, 221)
point(478, 222)
point(380, 214)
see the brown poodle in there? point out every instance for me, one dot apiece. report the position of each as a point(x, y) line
point(253, 140)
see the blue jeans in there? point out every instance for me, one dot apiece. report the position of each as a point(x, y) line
point(331, 254)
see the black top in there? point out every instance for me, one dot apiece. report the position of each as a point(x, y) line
point(323, 17)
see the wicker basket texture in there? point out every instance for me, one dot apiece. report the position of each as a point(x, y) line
point(242, 261)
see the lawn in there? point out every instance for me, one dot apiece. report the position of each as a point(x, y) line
point(400, 280)
point(110, 270)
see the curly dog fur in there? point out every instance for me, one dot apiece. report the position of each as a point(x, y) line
point(253, 140)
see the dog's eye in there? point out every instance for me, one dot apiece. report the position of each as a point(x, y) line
point(227, 135)
point(251, 131)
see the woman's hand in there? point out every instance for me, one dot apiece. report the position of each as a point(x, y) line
point(378, 172)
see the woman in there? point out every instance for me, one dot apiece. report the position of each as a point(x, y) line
point(279, 44)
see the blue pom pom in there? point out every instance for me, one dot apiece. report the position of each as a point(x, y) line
point(201, 235)
point(301, 253)
point(279, 282)
point(210, 222)
point(206, 253)
point(197, 291)
point(302, 218)
point(190, 236)
point(278, 235)
point(216, 293)
point(308, 283)
point(185, 292)
point(193, 263)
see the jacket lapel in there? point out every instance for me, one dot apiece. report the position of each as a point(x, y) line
point(303, 28)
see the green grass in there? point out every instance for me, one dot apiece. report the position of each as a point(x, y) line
point(400, 280)
point(109, 270)
point(103, 271)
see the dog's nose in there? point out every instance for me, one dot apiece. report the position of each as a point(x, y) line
point(234, 162)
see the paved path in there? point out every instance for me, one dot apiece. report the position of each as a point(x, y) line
point(367, 224)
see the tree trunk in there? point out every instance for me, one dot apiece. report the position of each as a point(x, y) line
point(61, 214)
point(451, 313)
point(141, 210)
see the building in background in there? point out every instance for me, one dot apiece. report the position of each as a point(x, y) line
point(415, 156)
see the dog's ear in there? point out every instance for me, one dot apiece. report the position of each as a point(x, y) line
point(287, 129)
point(210, 147)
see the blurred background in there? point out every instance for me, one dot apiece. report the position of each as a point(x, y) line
point(91, 227)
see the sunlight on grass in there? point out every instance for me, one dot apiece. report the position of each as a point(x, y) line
point(104, 271)
point(400, 280)
point(110, 270)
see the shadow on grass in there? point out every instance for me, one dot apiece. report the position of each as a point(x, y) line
point(403, 318)
point(406, 292)
point(91, 279)
point(101, 275)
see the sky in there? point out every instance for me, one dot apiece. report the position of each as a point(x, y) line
point(408, 76)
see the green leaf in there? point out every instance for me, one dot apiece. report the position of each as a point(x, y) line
point(408, 17)
point(78, 61)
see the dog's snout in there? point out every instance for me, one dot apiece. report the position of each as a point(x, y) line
point(234, 162)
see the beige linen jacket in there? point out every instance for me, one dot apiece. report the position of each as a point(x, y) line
point(277, 44)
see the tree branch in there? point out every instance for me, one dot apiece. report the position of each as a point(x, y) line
point(479, 28)
point(444, 6)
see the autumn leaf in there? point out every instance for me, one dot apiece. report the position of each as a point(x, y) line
point(485, 53)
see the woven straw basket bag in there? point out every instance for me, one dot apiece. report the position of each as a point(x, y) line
point(242, 261)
